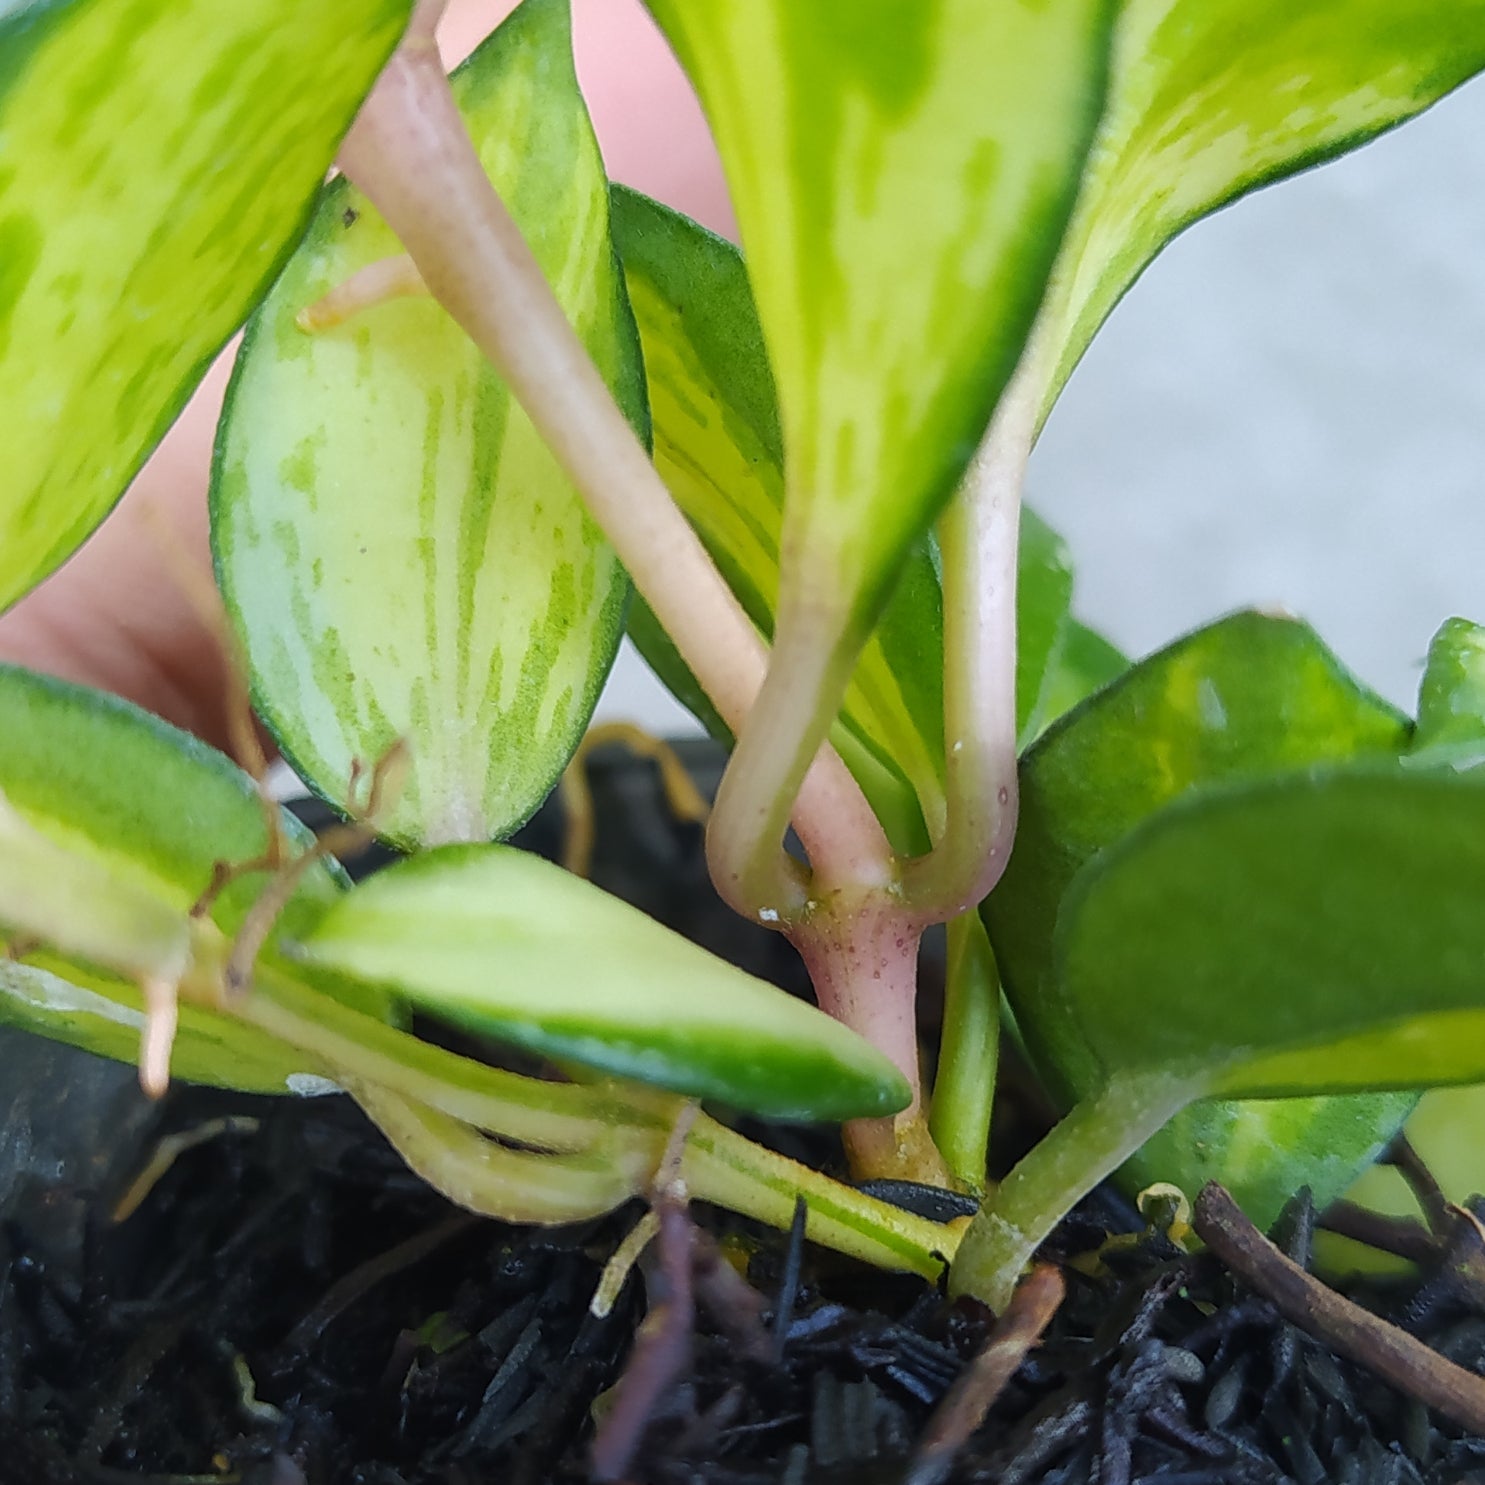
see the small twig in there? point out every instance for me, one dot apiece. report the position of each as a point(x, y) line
point(1430, 1195)
point(1393, 1354)
point(1403, 1237)
point(783, 1309)
point(976, 1388)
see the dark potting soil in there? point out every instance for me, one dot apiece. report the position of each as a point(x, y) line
point(289, 1304)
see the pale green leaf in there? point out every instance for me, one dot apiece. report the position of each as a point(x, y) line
point(157, 159)
point(1451, 697)
point(111, 826)
point(505, 943)
point(1209, 99)
point(401, 552)
point(902, 172)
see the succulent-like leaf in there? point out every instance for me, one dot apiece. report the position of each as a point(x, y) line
point(1246, 699)
point(400, 550)
point(1319, 933)
point(902, 173)
point(505, 943)
point(719, 449)
point(157, 160)
point(1209, 99)
point(111, 825)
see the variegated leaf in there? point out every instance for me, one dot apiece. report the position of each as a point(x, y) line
point(1209, 99)
point(401, 552)
point(719, 449)
point(902, 173)
point(111, 826)
point(508, 944)
point(157, 159)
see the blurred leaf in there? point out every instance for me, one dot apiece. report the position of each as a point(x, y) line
point(401, 552)
point(902, 172)
point(110, 827)
point(1316, 933)
point(507, 944)
point(719, 450)
point(157, 160)
point(1082, 663)
point(1209, 99)
point(1451, 698)
point(1246, 699)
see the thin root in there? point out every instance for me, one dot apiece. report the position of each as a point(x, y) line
point(683, 799)
point(168, 1151)
point(161, 1016)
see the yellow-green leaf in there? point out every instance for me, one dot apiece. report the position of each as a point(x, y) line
point(157, 158)
point(1209, 99)
point(402, 554)
point(902, 172)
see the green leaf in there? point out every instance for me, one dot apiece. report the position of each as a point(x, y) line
point(1209, 99)
point(399, 549)
point(111, 825)
point(157, 159)
point(1246, 699)
point(1082, 663)
point(1319, 933)
point(507, 944)
point(1451, 698)
point(718, 447)
point(902, 172)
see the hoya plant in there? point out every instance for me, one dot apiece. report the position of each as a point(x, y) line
point(489, 411)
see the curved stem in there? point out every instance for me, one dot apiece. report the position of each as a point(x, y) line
point(1097, 1137)
point(485, 1176)
point(771, 764)
point(978, 539)
point(964, 1089)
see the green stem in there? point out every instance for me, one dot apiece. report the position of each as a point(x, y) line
point(978, 542)
point(969, 1050)
point(721, 1166)
point(546, 1115)
point(1088, 1145)
point(479, 1173)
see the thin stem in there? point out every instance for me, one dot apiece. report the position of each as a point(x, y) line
point(408, 150)
point(978, 540)
point(842, 837)
point(721, 1166)
point(479, 1173)
point(1089, 1144)
point(969, 1051)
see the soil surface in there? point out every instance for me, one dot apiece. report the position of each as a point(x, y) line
point(288, 1304)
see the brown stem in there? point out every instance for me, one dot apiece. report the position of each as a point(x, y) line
point(976, 1388)
point(1391, 1353)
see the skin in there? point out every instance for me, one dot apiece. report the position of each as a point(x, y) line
point(118, 614)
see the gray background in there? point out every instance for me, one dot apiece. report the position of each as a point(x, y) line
point(1287, 410)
